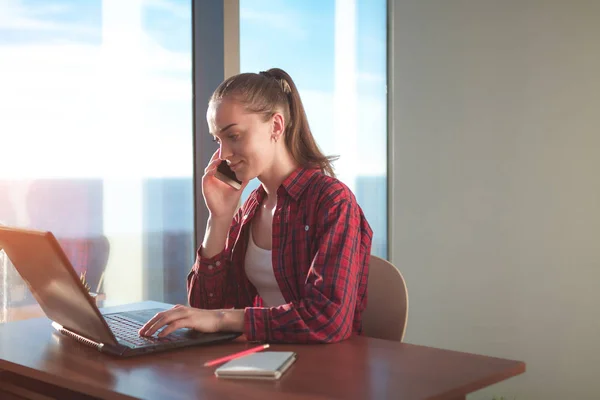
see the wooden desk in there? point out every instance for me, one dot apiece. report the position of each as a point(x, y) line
point(33, 355)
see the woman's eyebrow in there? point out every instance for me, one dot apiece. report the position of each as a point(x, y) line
point(227, 127)
point(223, 129)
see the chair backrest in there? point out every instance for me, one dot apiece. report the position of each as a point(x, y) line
point(387, 302)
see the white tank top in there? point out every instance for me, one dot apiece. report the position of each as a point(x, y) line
point(259, 270)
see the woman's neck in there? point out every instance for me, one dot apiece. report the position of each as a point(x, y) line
point(274, 176)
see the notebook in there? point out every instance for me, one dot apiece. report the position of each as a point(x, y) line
point(264, 365)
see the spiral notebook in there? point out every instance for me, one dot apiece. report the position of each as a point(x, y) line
point(264, 365)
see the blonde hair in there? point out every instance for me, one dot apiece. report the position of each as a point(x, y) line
point(269, 92)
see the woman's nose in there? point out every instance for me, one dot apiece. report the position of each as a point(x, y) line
point(224, 152)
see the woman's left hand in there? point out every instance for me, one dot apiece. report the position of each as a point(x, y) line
point(183, 317)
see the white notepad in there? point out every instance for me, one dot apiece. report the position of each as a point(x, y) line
point(263, 365)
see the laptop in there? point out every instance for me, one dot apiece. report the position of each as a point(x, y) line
point(41, 262)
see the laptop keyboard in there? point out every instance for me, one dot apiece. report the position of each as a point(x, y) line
point(127, 329)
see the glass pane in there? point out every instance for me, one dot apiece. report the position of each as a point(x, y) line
point(336, 53)
point(96, 141)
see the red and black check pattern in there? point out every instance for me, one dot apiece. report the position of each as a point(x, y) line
point(321, 248)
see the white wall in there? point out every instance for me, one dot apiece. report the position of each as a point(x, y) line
point(496, 184)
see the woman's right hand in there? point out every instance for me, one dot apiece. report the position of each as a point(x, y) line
point(221, 199)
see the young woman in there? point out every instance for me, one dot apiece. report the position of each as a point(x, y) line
point(291, 264)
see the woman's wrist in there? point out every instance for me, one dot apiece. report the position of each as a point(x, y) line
point(220, 219)
point(231, 320)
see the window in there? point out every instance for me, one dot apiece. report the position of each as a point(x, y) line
point(96, 140)
point(336, 53)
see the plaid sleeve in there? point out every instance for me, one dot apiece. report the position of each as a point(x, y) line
point(208, 281)
point(325, 313)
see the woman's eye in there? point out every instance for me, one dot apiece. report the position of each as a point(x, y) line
point(234, 138)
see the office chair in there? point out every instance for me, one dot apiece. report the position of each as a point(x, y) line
point(387, 302)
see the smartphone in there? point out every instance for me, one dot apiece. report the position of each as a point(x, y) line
point(225, 174)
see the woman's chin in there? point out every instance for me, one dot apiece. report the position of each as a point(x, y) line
point(246, 177)
point(242, 175)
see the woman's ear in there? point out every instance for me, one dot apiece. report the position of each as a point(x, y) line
point(278, 126)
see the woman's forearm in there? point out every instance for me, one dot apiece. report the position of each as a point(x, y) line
point(215, 236)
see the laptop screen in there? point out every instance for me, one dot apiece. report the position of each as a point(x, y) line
point(42, 264)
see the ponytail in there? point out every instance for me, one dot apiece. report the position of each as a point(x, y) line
point(271, 91)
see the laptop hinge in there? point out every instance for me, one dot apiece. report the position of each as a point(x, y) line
point(77, 337)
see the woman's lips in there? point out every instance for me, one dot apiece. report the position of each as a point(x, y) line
point(235, 166)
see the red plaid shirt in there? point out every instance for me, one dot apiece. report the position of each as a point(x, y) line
point(321, 248)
